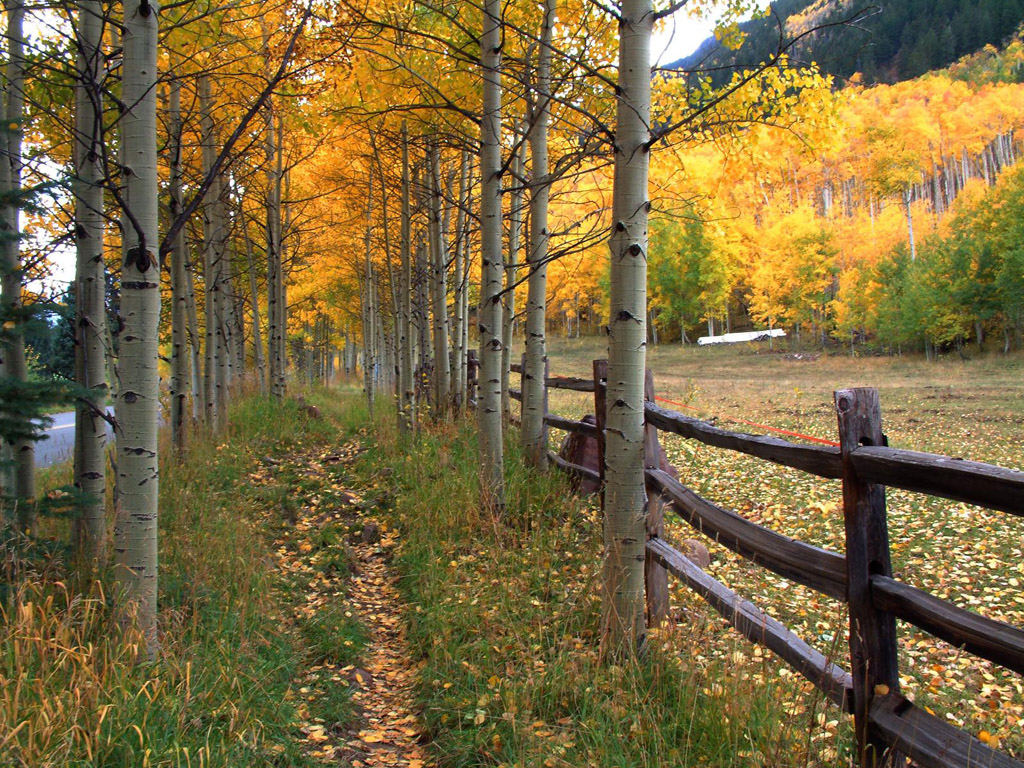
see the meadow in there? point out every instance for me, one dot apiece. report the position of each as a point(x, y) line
point(502, 619)
point(971, 408)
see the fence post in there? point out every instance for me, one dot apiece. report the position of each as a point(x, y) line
point(600, 405)
point(873, 656)
point(655, 575)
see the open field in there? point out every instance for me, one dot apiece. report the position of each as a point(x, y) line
point(971, 409)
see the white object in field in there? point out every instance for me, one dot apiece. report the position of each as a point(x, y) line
point(736, 338)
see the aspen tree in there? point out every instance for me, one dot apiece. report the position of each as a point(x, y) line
point(422, 315)
point(275, 266)
point(439, 285)
point(625, 498)
point(515, 228)
point(467, 257)
point(257, 333)
point(489, 406)
point(179, 289)
point(90, 284)
point(369, 317)
point(193, 333)
point(213, 240)
point(534, 434)
point(14, 361)
point(138, 395)
point(406, 386)
point(283, 218)
point(461, 278)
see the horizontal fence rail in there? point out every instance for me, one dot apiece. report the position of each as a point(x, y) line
point(972, 482)
point(817, 460)
point(792, 559)
point(929, 741)
point(758, 626)
point(887, 723)
point(990, 639)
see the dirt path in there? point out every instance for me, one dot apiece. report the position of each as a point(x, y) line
point(384, 695)
point(386, 730)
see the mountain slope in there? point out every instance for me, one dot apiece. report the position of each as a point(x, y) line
point(885, 40)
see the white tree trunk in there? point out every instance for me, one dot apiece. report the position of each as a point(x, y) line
point(15, 364)
point(369, 311)
point(283, 226)
point(439, 286)
point(90, 426)
point(515, 229)
point(179, 291)
point(138, 402)
point(214, 379)
point(625, 498)
point(194, 345)
point(406, 384)
point(254, 295)
point(458, 332)
point(489, 406)
point(534, 433)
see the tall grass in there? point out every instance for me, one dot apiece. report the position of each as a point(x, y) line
point(506, 619)
point(74, 691)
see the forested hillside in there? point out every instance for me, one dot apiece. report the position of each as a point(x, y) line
point(845, 227)
point(885, 41)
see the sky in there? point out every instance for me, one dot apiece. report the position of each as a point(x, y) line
point(680, 36)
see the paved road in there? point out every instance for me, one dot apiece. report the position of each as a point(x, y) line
point(59, 442)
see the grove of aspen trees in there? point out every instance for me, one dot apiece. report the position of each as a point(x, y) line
point(264, 195)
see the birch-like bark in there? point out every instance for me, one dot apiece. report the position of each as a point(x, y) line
point(369, 316)
point(15, 364)
point(407, 389)
point(534, 433)
point(179, 292)
point(625, 498)
point(138, 402)
point(257, 334)
point(227, 304)
point(283, 226)
point(406, 385)
point(489, 407)
point(458, 331)
point(468, 262)
point(275, 276)
point(90, 528)
point(439, 287)
point(910, 224)
point(213, 242)
point(515, 230)
point(426, 347)
point(194, 345)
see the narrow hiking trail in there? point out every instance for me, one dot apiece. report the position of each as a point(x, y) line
point(385, 696)
point(337, 552)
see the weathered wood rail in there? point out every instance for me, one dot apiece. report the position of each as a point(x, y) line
point(888, 726)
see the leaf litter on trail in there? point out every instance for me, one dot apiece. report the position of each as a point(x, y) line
point(346, 579)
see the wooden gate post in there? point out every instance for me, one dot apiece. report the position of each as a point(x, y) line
point(600, 413)
point(655, 575)
point(873, 656)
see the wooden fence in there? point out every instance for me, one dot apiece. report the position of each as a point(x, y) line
point(888, 726)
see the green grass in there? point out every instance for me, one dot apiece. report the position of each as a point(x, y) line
point(506, 619)
point(221, 691)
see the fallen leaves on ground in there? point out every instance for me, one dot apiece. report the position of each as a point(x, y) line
point(320, 552)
